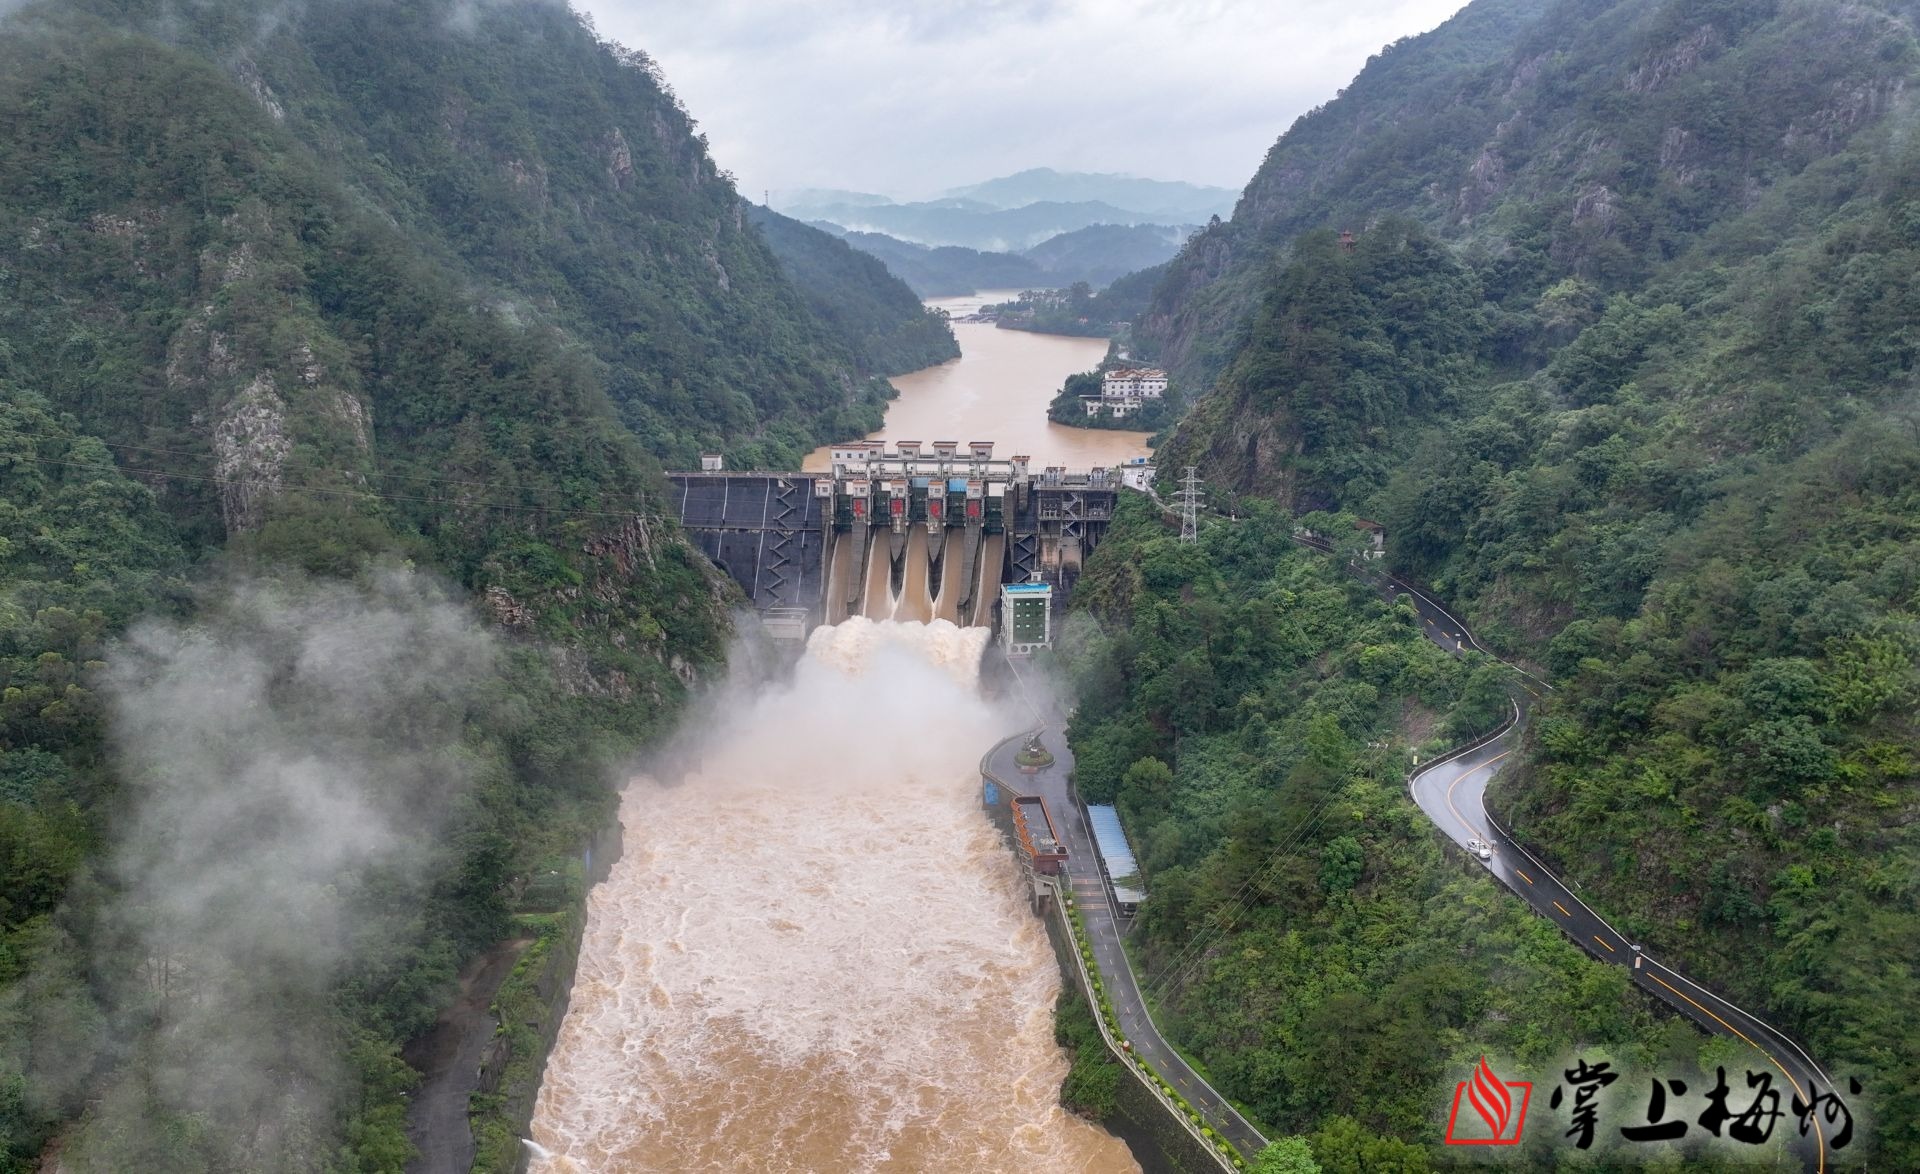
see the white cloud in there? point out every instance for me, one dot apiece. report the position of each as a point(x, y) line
point(908, 98)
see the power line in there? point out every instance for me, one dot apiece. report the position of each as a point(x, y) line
point(1194, 952)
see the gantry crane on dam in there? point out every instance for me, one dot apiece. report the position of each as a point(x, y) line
point(907, 532)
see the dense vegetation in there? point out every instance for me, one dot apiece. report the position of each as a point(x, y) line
point(338, 335)
point(1251, 709)
point(567, 183)
point(880, 317)
point(1622, 358)
point(1067, 407)
point(949, 270)
point(1079, 309)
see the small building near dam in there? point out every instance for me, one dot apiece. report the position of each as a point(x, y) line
point(1117, 866)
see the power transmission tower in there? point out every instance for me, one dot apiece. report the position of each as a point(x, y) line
point(1189, 497)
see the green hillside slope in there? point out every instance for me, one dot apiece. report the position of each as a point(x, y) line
point(1622, 357)
point(890, 330)
point(566, 181)
point(337, 346)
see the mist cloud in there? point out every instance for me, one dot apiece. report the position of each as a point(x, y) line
point(289, 756)
point(912, 99)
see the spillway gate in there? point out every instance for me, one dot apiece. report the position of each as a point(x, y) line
point(896, 531)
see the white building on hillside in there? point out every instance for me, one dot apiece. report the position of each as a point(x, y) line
point(1125, 390)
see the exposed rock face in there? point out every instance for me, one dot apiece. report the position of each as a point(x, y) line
point(1671, 62)
point(630, 545)
point(250, 447)
point(1486, 176)
point(619, 160)
point(529, 179)
point(1595, 207)
point(249, 75)
point(506, 611)
point(1675, 146)
point(1847, 107)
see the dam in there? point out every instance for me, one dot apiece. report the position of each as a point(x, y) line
point(903, 531)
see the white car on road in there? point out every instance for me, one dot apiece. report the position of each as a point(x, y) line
point(1479, 848)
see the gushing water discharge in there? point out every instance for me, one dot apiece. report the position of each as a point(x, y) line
point(814, 954)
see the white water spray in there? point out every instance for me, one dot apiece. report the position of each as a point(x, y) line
point(814, 954)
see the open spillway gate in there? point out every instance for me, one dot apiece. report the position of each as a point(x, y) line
point(895, 533)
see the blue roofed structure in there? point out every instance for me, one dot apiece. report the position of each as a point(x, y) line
point(1116, 859)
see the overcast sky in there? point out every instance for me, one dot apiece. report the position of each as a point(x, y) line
point(908, 97)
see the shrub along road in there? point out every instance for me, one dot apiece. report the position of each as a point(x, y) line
point(1452, 792)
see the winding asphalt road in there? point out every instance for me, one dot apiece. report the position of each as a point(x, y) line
point(1090, 896)
point(1452, 792)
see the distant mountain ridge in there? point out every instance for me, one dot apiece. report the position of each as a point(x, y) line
point(1173, 198)
point(1013, 212)
point(972, 225)
point(1035, 227)
point(1097, 254)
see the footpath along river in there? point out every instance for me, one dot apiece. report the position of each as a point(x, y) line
point(814, 954)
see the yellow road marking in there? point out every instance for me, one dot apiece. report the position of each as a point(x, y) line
point(1817, 1133)
point(1562, 909)
point(1524, 876)
point(1603, 941)
point(1456, 782)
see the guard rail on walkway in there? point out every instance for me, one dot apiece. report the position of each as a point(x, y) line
point(1222, 1152)
point(1091, 988)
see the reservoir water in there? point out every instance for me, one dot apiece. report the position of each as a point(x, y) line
point(998, 390)
point(815, 953)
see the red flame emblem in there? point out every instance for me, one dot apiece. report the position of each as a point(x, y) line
point(1492, 1100)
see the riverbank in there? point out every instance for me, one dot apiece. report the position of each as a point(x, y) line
point(481, 1063)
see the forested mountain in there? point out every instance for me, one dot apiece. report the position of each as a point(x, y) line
point(1622, 356)
point(949, 269)
point(566, 183)
point(879, 315)
point(337, 343)
point(1100, 254)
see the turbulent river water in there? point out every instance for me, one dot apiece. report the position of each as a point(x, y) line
point(814, 954)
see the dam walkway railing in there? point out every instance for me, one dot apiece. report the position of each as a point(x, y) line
point(1190, 1118)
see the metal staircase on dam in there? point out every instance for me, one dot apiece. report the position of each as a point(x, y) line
point(775, 533)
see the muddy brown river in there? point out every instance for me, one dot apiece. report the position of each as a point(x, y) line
point(998, 390)
point(815, 954)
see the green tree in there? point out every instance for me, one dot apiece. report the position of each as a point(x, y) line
point(1288, 1155)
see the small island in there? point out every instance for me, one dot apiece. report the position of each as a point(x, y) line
point(1117, 395)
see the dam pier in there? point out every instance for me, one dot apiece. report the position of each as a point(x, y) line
point(907, 532)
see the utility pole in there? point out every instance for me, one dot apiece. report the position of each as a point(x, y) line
point(1189, 497)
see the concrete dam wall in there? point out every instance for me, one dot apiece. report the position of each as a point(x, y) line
point(895, 535)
